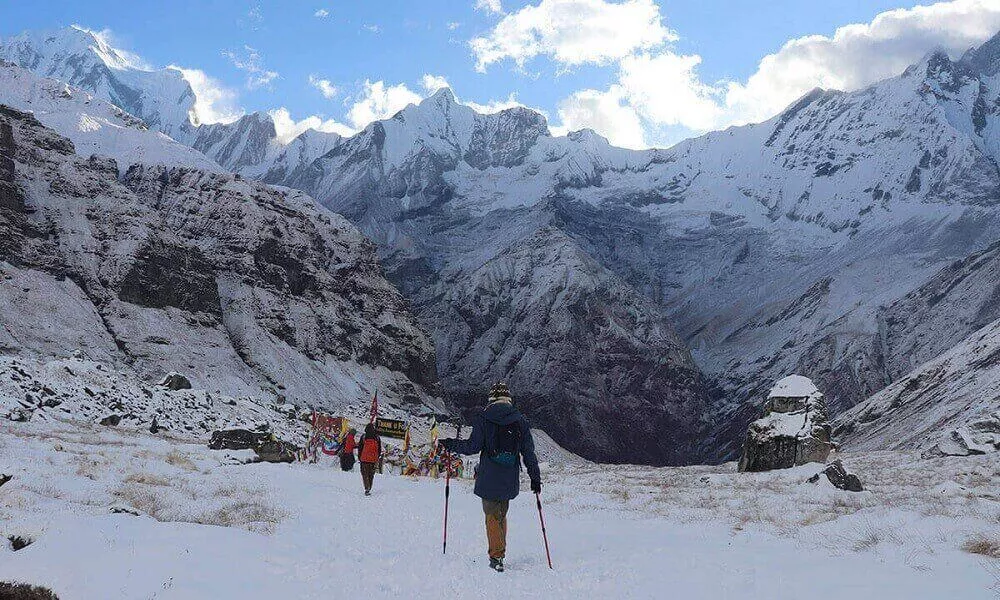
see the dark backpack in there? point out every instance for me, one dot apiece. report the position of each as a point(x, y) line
point(506, 444)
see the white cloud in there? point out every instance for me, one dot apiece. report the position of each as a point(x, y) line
point(287, 128)
point(662, 91)
point(250, 62)
point(573, 32)
point(371, 28)
point(453, 25)
point(433, 83)
point(665, 90)
point(490, 6)
point(214, 103)
point(321, 13)
point(379, 101)
point(860, 54)
point(604, 112)
point(324, 86)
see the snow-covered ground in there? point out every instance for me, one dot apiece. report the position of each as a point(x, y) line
point(211, 527)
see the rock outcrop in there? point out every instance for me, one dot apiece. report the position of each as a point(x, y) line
point(174, 381)
point(839, 477)
point(237, 439)
point(794, 429)
point(978, 437)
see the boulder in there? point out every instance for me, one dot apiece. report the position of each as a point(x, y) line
point(794, 430)
point(276, 451)
point(111, 420)
point(978, 437)
point(236, 439)
point(175, 381)
point(840, 477)
point(4, 478)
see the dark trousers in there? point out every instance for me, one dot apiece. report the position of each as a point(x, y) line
point(368, 474)
point(347, 461)
point(496, 526)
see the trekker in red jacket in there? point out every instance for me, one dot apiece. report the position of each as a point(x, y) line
point(347, 451)
point(370, 453)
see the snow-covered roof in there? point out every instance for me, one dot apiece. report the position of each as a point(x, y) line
point(793, 386)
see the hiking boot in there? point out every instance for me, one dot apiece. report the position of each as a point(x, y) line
point(496, 564)
point(368, 492)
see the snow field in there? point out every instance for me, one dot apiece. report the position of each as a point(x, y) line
point(211, 527)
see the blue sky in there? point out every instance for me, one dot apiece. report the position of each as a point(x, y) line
point(274, 54)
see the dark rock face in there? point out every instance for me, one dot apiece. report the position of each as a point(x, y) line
point(245, 288)
point(165, 275)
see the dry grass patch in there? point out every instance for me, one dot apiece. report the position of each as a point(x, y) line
point(148, 479)
point(180, 460)
point(983, 544)
point(143, 499)
point(869, 535)
point(254, 515)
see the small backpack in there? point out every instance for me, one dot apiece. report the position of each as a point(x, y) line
point(506, 444)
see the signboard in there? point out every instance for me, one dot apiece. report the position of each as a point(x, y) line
point(391, 428)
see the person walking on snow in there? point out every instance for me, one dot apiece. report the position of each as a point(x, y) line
point(501, 436)
point(369, 453)
point(347, 452)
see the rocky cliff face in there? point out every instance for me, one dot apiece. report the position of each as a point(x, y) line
point(245, 288)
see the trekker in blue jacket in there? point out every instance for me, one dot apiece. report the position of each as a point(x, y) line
point(501, 436)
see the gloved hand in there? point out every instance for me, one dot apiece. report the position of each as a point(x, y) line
point(536, 486)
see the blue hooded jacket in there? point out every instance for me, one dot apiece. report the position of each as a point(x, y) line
point(494, 480)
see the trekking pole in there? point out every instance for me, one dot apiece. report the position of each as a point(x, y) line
point(447, 492)
point(545, 537)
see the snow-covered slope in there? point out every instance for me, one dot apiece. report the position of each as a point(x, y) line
point(941, 346)
point(209, 527)
point(245, 288)
point(922, 410)
point(95, 126)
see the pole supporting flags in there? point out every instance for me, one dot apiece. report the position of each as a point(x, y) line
point(374, 411)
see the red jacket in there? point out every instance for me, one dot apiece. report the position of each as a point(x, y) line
point(350, 444)
point(370, 450)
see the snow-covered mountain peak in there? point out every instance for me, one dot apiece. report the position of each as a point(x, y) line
point(51, 47)
point(160, 97)
point(95, 126)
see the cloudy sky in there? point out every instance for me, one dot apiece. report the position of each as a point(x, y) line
point(641, 72)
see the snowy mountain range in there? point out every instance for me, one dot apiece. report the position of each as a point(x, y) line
point(640, 303)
